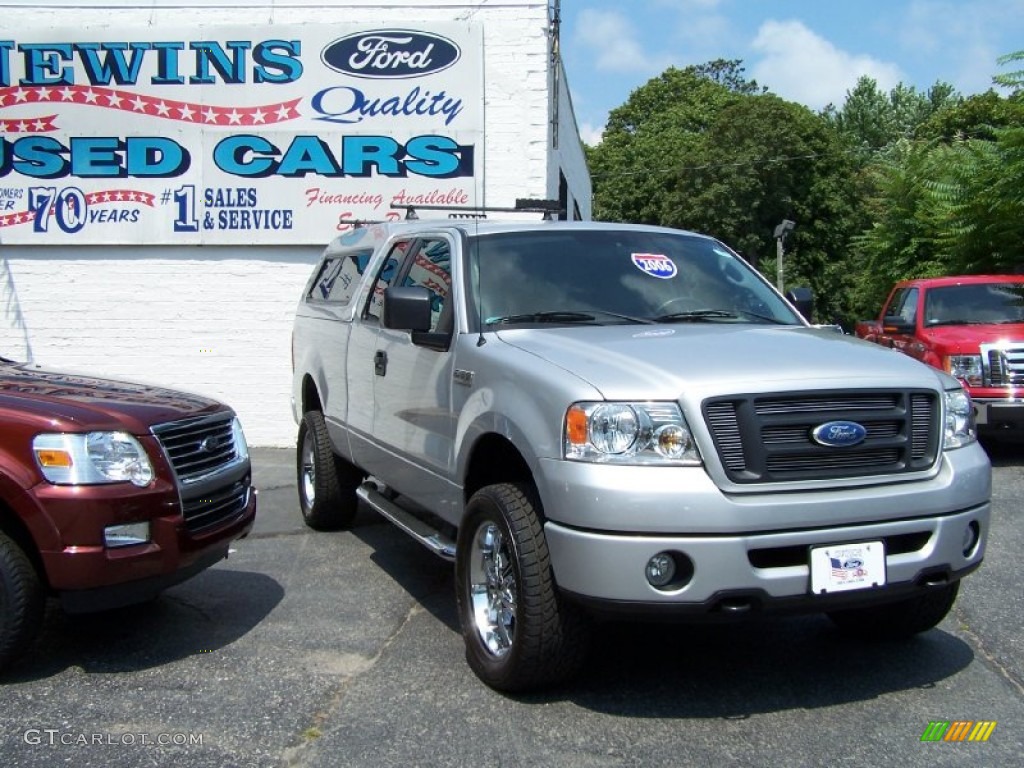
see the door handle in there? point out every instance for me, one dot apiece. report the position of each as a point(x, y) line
point(380, 362)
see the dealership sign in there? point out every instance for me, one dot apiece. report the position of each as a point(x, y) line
point(233, 135)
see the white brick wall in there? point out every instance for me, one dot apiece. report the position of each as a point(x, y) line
point(217, 320)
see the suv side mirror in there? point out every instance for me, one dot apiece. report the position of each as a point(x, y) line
point(406, 308)
point(803, 299)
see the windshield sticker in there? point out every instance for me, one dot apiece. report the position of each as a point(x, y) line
point(655, 264)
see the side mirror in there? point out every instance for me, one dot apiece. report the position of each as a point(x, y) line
point(803, 299)
point(406, 308)
point(896, 324)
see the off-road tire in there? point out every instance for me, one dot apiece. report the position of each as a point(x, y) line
point(22, 601)
point(899, 620)
point(546, 639)
point(327, 483)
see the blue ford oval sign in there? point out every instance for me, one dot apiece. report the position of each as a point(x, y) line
point(839, 434)
point(391, 53)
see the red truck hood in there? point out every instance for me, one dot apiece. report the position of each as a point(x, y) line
point(76, 403)
point(967, 338)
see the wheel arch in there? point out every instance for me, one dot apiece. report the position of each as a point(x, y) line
point(16, 530)
point(310, 395)
point(494, 459)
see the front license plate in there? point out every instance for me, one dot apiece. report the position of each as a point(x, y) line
point(843, 567)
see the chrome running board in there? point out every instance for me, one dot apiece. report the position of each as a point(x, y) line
point(429, 537)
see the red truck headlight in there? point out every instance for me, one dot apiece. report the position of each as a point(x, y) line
point(967, 368)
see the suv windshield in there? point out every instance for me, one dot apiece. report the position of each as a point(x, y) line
point(608, 277)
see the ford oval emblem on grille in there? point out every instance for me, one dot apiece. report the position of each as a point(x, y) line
point(839, 434)
point(391, 53)
point(209, 444)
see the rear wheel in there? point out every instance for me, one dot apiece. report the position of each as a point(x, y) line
point(22, 600)
point(327, 483)
point(519, 633)
point(899, 620)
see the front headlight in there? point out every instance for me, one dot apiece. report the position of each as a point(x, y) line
point(241, 446)
point(966, 368)
point(95, 457)
point(960, 429)
point(628, 433)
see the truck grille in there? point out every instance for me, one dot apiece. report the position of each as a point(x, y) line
point(197, 447)
point(203, 454)
point(1004, 365)
point(767, 438)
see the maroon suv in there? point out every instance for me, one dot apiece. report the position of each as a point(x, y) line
point(109, 493)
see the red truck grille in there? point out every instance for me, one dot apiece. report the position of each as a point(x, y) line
point(768, 438)
point(1005, 365)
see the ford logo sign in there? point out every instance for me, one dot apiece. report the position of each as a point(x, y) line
point(391, 54)
point(839, 434)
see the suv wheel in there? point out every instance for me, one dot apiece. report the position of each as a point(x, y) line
point(518, 631)
point(22, 601)
point(327, 483)
point(900, 620)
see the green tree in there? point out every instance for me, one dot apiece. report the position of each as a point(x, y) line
point(763, 160)
point(654, 133)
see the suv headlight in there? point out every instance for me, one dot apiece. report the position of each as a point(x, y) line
point(628, 433)
point(966, 368)
point(960, 429)
point(95, 457)
point(241, 446)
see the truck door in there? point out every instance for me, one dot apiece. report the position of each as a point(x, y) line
point(362, 346)
point(903, 306)
point(413, 423)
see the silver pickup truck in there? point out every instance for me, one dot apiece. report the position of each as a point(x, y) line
point(597, 420)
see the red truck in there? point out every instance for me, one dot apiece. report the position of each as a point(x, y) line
point(971, 326)
point(109, 493)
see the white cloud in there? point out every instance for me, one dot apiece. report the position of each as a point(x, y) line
point(966, 36)
point(614, 43)
point(799, 65)
point(590, 134)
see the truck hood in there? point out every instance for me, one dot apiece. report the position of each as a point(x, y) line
point(73, 402)
point(968, 338)
point(662, 362)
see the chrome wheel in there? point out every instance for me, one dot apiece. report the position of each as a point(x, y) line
point(307, 471)
point(326, 483)
point(492, 589)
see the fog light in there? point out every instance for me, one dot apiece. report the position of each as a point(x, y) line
point(126, 535)
point(661, 569)
point(971, 535)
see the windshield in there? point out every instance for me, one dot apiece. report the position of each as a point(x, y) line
point(605, 277)
point(977, 303)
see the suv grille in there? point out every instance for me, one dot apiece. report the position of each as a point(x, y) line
point(767, 438)
point(199, 449)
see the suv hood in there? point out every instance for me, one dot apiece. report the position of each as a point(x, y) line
point(73, 402)
point(663, 361)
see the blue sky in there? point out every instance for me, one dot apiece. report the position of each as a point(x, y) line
point(808, 51)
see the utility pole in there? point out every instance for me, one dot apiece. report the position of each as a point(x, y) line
point(781, 231)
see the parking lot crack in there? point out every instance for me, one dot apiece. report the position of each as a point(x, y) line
point(294, 757)
point(989, 658)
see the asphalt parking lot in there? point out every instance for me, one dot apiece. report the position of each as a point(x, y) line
point(342, 649)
